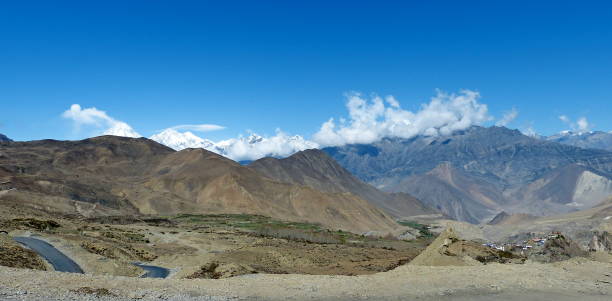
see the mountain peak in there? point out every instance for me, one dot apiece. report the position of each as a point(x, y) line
point(254, 138)
point(315, 168)
point(4, 138)
point(122, 129)
point(312, 152)
point(584, 139)
point(180, 141)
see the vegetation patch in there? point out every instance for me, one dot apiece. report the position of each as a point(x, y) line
point(423, 229)
point(241, 221)
point(301, 235)
point(32, 223)
point(126, 236)
point(99, 292)
point(15, 256)
point(128, 220)
point(100, 249)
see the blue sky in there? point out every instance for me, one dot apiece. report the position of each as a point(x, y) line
point(262, 65)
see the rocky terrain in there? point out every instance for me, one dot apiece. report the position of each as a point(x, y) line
point(504, 218)
point(579, 226)
point(297, 228)
point(316, 169)
point(236, 257)
point(567, 280)
point(234, 244)
point(474, 174)
point(590, 139)
point(111, 175)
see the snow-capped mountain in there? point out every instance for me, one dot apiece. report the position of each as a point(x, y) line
point(179, 141)
point(590, 139)
point(251, 147)
point(122, 129)
point(254, 146)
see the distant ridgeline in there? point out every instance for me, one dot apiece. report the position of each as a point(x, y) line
point(476, 173)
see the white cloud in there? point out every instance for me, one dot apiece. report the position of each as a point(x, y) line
point(530, 132)
point(254, 146)
point(369, 120)
point(242, 148)
point(507, 118)
point(179, 141)
point(100, 120)
point(581, 125)
point(373, 119)
point(198, 127)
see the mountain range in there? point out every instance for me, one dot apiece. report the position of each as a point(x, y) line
point(471, 175)
point(111, 175)
point(474, 174)
point(591, 139)
point(243, 149)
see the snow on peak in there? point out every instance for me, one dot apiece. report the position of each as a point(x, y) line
point(122, 129)
point(242, 148)
point(255, 146)
point(179, 141)
point(254, 138)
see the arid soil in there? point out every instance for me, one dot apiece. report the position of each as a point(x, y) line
point(126, 176)
point(205, 246)
point(580, 279)
point(247, 257)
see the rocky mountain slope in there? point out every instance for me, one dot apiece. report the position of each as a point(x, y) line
point(473, 174)
point(4, 138)
point(572, 185)
point(504, 218)
point(455, 193)
point(140, 176)
point(592, 139)
point(316, 169)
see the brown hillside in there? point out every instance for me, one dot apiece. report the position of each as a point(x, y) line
point(316, 169)
point(142, 176)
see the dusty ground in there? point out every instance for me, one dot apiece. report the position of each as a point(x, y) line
point(569, 280)
point(579, 225)
point(185, 244)
point(105, 248)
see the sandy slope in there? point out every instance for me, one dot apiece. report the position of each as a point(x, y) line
point(562, 281)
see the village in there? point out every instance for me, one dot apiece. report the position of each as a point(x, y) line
point(541, 247)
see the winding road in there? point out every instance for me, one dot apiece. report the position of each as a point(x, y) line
point(57, 259)
point(63, 263)
point(153, 271)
